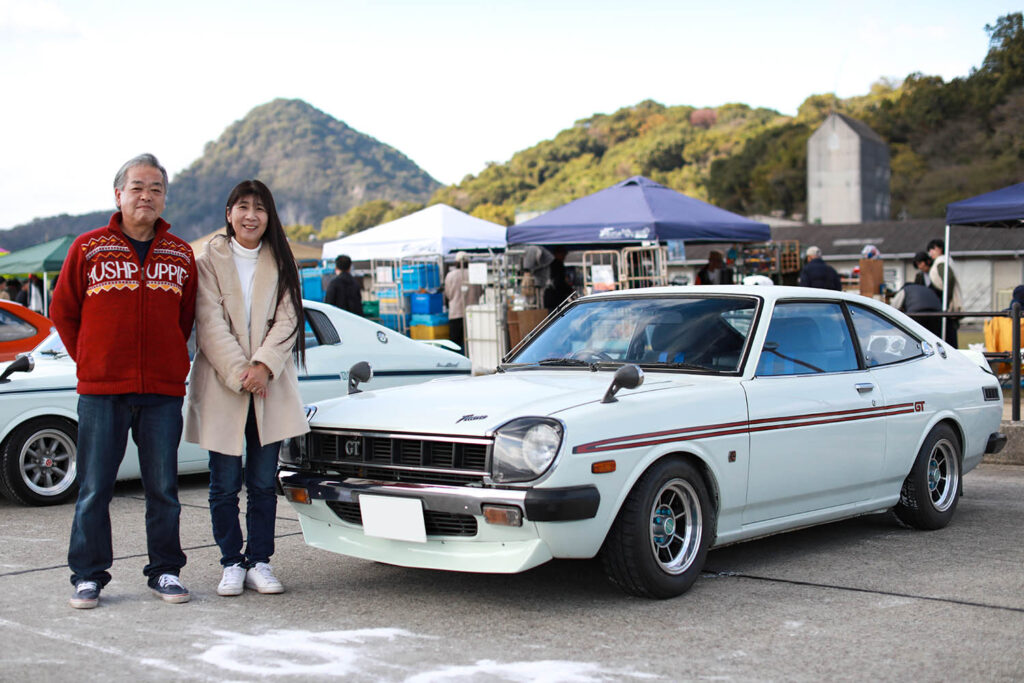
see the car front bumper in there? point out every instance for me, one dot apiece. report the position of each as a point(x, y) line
point(494, 548)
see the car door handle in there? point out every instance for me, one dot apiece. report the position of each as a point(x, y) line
point(864, 387)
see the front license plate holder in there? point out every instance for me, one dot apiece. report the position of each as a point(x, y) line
point(400, 519)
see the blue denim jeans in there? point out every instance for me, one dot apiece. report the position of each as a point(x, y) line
point(226, 474)
point(103, 426)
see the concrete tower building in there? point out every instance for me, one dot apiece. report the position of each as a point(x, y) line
point(847, 173)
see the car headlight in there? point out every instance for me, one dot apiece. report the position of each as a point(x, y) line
point(525, 448)
point(294, 451)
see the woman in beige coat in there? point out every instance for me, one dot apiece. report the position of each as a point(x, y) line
point(244, 390)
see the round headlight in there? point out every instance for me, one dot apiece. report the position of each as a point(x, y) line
point(540, 444)
point(525, 448)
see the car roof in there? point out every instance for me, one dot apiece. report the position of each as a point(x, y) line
point(766, 293)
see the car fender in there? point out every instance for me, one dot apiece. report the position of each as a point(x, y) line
point(33, 413)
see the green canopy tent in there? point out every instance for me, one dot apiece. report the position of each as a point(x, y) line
point(47, 257)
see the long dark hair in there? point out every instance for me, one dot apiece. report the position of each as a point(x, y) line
point(275, 239)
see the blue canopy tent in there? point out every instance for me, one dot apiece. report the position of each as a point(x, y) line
point(635, 211)
point(997, 209)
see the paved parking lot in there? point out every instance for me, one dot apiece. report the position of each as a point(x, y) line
point(864, 599)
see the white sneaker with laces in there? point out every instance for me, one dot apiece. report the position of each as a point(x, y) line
point(233, 580)
point(261, 578)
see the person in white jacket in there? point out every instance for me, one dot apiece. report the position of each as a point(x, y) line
point(244, 391)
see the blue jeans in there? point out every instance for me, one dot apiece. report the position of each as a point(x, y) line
point(226, 474)
point(103, 426)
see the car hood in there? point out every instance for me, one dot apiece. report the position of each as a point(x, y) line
point(478, 405)
point(48, 373)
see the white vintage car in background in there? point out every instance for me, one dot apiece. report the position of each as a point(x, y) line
point(647, 426)
point(39, 407)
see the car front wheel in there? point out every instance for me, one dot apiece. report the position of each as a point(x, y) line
point(38, 462)
point(658, 544)
point(930, 492)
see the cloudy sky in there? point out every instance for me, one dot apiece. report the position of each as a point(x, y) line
point(453, 84)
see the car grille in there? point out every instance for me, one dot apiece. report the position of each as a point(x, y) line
point(436, 523)
point(456, 461)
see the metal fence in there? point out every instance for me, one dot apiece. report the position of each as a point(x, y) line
point(1012, 357)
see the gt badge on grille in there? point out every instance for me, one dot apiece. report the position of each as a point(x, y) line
point(353, 447)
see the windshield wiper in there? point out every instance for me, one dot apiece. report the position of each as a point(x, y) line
point(565, 362)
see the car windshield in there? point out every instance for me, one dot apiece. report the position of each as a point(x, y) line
point(52, 346)
point(696, 333)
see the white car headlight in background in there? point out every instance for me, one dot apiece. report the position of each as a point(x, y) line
point(525, 448)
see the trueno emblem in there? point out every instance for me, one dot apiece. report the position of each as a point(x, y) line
point(470, 418)
point(382, 337)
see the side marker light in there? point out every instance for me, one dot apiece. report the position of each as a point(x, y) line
point(297, 495)
point(603, 467)
point(503, 515)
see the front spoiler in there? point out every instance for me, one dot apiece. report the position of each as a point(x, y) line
point(538, 505)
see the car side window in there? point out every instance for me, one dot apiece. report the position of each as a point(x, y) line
point(13, 328)
point(807, 338)
point(319, 330)
point(881, 341)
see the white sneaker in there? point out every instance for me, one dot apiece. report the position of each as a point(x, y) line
point(261, 578)
point(231, 583)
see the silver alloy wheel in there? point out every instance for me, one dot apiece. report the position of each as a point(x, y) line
point(943, 475)
point(47, 462)
point(676, 526)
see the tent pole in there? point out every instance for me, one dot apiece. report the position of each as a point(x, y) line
point(1015, 365)
point(46, 290)
point(945, 282)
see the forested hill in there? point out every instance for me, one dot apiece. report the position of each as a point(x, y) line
point(947, 141)
point(315, 164)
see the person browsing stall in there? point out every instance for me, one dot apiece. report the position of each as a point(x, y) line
point(344, 291)
point(124, 307)
point(245, 390)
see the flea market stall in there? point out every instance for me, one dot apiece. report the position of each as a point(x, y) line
point(405, 261)
point(620, 235)
point(1002, 208)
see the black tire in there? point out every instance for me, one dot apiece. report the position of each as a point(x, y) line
point(930, 492)
point(645, 557)
point(38, 462)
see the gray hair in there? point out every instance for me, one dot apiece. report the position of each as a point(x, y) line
point(813, 252)
point(140, 160)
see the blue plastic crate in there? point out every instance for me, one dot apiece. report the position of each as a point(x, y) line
point(315, 281)
point(393, 320)
point(429, 319)
point(420, 276)
point(427, 303)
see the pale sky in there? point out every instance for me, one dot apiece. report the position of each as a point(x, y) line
point(453, 84)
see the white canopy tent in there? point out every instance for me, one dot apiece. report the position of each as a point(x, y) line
point(437, 229)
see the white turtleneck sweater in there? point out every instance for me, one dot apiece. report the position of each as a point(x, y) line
point(245, 264)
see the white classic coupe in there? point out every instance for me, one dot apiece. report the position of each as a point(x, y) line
point(647, 426)
point(39, 405)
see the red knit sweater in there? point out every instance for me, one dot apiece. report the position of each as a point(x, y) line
point(127, 324)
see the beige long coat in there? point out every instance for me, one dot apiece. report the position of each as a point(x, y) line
point(218, 406)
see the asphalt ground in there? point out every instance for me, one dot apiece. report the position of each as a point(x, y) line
point(863, 599)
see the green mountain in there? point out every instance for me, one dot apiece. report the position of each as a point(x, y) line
point(315, 165)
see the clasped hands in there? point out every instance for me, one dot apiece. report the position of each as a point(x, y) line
point(255, 378)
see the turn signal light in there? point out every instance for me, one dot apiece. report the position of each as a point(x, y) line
point(603, 467)
point(504, 515)
point(297, 495)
